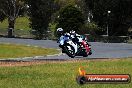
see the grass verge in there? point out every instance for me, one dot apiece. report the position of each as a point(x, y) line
point(130, 41)
point(21, 29)
point(16, 51)
point(62, 74)
point(21, 23)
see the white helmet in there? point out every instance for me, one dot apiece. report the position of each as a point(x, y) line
point(72, 32)
point(59, 30)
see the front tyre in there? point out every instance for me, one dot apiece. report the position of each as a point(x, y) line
point(70, 51)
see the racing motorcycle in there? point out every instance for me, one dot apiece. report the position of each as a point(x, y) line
point(72, 48)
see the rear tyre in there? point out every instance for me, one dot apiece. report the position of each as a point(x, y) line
point(85, 54)
point(90, 52)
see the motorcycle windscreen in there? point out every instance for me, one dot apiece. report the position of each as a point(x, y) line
point(66, 38)
point(61, 40)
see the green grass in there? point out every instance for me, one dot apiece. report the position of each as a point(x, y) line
point(21, 23)
point(16, 51)
point(130, 41)
point(62, 75)
point(22, 28)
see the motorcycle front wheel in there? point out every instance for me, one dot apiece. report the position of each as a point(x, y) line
point(70, 51)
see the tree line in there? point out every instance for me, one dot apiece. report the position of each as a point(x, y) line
point(84, 16)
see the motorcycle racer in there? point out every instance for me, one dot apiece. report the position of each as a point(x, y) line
point(76, 38)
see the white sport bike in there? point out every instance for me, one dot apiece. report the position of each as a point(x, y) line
point(73, 49)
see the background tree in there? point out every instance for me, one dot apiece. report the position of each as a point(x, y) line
point(2, 17)
point(40, 12)
point(71, 18)
point(121, 19)
point(10, 9)
point(63, 3)
point(81, 5)
point(121, 11)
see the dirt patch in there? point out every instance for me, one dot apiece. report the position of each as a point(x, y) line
point(37, 62)
point(29, 63)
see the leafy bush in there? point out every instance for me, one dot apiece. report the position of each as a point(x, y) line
point(52, 28)
point(40, 12)
point(71, 18)
point(89, 28)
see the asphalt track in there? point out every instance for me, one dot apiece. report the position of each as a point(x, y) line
point(100, 50)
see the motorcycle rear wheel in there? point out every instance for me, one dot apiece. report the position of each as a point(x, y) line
point(85, 54)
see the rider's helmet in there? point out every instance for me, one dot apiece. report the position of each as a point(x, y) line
point(72, 32)
point(59, 31)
